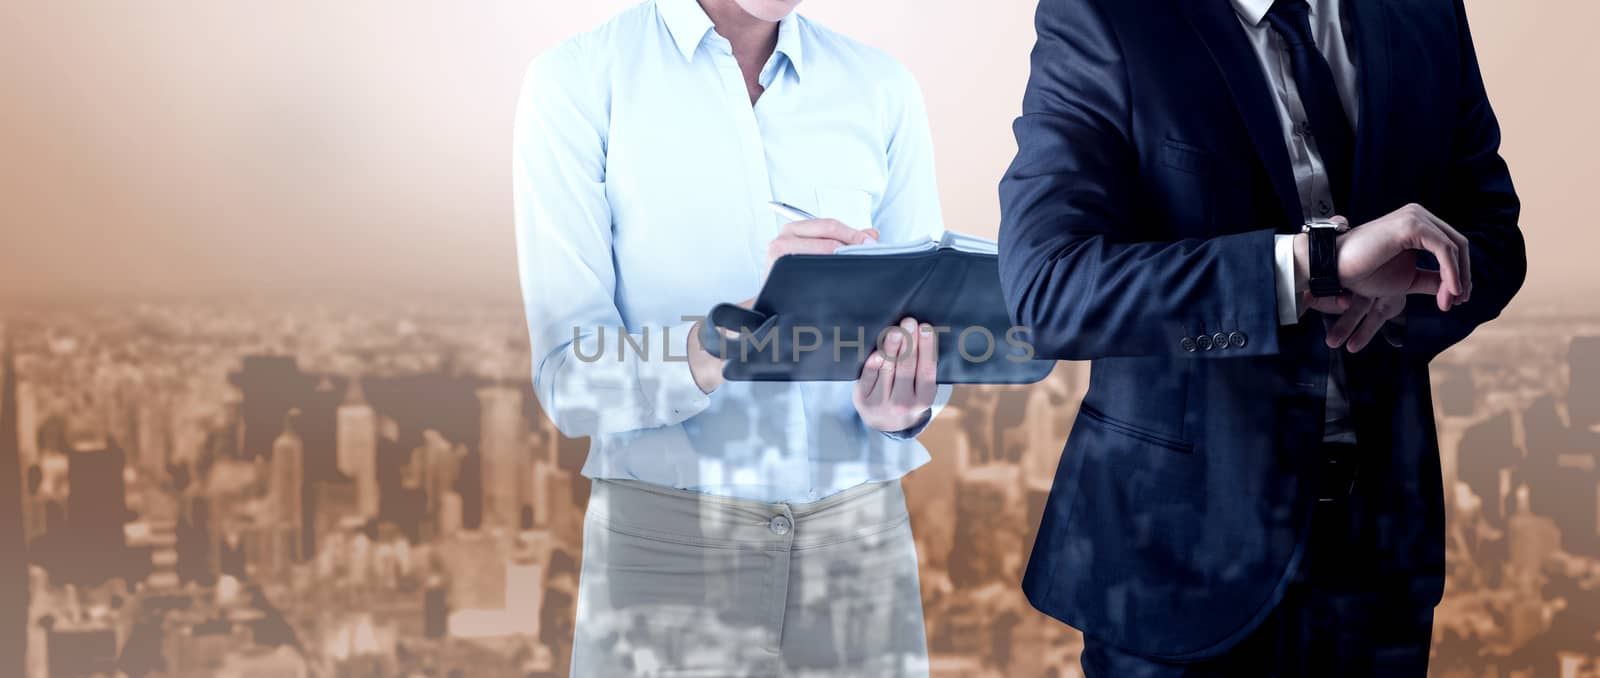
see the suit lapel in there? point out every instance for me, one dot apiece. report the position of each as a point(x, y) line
point(1223, 35)
point(1371, 34)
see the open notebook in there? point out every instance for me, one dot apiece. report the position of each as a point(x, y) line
point(950, 240)
point(818, 315)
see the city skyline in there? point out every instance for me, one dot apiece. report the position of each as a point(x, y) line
point(348, 486)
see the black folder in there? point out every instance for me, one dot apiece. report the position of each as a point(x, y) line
point(818, 317)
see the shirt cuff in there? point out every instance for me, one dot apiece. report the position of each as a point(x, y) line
point(676, 397)
point(940, 399)
point(1283, 261)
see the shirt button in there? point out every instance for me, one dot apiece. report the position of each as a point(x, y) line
point(1220, 340)
point(1188, 344)
point(780, 525)
point(1204, 342)
point(1237, 340)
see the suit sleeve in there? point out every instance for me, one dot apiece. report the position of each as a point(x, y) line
point(1073, 265)
point(1482, 204)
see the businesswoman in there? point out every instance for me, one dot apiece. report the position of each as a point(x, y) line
point(734, 528)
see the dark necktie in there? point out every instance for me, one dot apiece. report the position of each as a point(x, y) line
point(1330, 127)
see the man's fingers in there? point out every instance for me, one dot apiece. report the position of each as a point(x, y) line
point(1364, 332)
point(1328, 305)
point(1426, 235)
point(927, 366)
point(1463, 255)
point(1347, 324)
point(1382, 311)
point(1425, 282)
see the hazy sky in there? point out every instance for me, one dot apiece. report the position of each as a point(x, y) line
point(363, 145)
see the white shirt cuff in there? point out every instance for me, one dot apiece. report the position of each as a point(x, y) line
point(676, 397)
point(1288, 301)
point(941, 398)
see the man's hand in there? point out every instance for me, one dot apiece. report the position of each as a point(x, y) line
point(898, 383)
point(1379, 259)
point(1363, 320)
point(816, 236)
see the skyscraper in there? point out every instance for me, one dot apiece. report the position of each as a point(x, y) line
point(357, 448)
point(270, 386)
point(97, 508)
point(286, 486)
point(13, 557)
point(1583, 395)
point(27, 424)
point(503, 448)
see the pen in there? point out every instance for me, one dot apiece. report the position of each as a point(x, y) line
point(790, 212)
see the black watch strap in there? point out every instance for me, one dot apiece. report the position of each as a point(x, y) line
point(1324, 258)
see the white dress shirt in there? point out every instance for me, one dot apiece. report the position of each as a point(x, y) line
point(1310, 175)
point(641, 177)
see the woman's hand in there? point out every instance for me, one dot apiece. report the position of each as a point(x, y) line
point(707, 368)
point(817, 236)
point(899, 382)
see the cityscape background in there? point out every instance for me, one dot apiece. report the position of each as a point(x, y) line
point(265, 406)
point(314, 488)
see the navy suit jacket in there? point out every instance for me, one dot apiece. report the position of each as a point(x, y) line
point(1150, 178)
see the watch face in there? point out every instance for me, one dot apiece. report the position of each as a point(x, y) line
point(1334, 226)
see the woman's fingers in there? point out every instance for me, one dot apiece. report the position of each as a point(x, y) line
point(829, 229)
point(905, 374)
point(927, 366)
point(868, 382)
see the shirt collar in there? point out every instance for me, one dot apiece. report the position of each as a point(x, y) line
point(1252, 11)
point(789, 44)
point(689, 24)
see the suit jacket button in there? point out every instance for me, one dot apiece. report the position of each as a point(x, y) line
point(1220, 339)
point(1204, 342)
point(1188, 345)
point(1237, 340)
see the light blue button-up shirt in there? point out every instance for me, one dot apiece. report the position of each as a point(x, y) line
point(641, 178)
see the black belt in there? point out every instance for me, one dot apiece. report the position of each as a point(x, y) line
point(1336, 475)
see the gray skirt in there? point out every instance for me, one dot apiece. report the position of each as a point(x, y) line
point(677, 583)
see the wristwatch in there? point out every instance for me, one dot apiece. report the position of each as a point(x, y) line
point(1324, 257)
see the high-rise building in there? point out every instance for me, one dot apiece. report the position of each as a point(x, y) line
point(503, 451)
point(13, 555)
point(449, 518)
point(270, 385)
point(97, 508)
point(438, 465)
point(336, 504)
point(358, 446)
point(286, 486)
point(1583, 395)
point(27, 424)
point(152, 438)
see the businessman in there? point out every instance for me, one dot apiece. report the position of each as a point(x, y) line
point(1252, 486)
